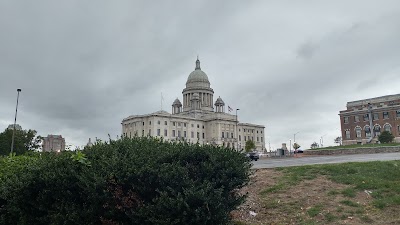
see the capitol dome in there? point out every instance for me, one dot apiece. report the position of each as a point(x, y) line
point(198, 78)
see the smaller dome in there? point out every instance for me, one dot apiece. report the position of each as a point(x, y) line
point(219, 101)
point(177, 103)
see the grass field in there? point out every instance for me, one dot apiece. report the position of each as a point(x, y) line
point(356, 146)
point(350, 193)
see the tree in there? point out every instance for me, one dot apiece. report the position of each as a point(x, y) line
point(296, 146)
point(24, 140)
point(250, 145)
point(338, 140)
point(314, 145)
point(385, 137)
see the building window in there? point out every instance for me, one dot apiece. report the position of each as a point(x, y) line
point(231, 135)
point(252, 131)
point(192, 134)
point(198, 126)
point(184, 124)
point(387, 127)
point(366, 117)
point(397, 113)
point(261, 139)
point(376, 116)
point(173, 133)
point(158, 122)
point(143, 132)
point(203, 126)
point(356, 119)
point(240, 139)
point(143, 123)
point(149, 122)
point(244, 130)
point(184, 133)
point(398, 128)
point(179, 133)
point(198, 135)
point(158, 131)
point(257, 139)
point(227, 135)
point(346, 119)
point(244, 138)
point(165, 132)
point(179, 124)
point(223, 134)
point(358, 132)
point(347, 134)
point(248, 137)
point(239, 130)
point(367, 131)
point(165, 123)
point(173, 123)
point(192, 125)
point(257, 132)
point(385, 115)
point(203, 136)
point(252, 138)
point(377, 130)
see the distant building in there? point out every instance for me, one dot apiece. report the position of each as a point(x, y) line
point(11, 127)
point(197, 119)
point(364, 120)
point(53, 143)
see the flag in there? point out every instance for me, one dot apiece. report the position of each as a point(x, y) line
point(230, 109)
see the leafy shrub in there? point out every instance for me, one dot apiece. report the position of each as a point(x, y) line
point(385, 137)
point(129, 181)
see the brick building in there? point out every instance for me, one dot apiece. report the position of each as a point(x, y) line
point(53, 143)
point(364, 120)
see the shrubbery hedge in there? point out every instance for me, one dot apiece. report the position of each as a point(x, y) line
point(129, 181)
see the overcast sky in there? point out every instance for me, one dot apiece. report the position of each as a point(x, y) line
point(83, 66)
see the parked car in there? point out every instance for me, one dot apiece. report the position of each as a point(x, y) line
point(253, 156)
point(299, 151)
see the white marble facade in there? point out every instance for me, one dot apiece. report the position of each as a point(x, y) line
point(197, 120)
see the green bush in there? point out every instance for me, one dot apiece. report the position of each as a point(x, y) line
point(129, 181)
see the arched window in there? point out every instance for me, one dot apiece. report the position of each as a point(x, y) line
point(387, 127)
point(367, 131)
point(377, 130)
point(358, 131)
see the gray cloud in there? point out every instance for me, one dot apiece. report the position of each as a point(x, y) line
point(83, 66)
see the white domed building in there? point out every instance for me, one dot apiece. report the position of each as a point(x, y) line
point(197, 119)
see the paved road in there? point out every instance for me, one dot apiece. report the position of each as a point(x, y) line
point(311, 160)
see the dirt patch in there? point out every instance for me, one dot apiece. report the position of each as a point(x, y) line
point(314, 201)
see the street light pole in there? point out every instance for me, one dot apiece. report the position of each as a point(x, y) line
point(294, 137)
point(322, 140)
point(15, 121)
point(237, 134)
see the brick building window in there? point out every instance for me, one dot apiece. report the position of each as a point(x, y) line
point(366, 117)
point(346, 119)
point(358, 132)
point(385, 115)
point(356, 119)
point(397, 113)
point(377, 130)
point(387, 127)
point(347, 134)
point(376, 116)
point(367, 131)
